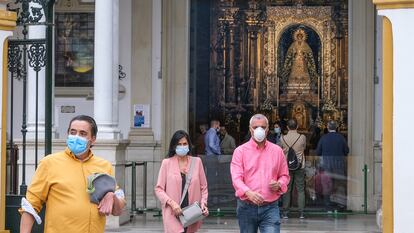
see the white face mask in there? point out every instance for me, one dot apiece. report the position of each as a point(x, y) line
point(181, 150)
point(259, 134)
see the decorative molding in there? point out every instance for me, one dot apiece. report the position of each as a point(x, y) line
point(393, 4)
point(75, 6)
point(317, 18)
point(86, 92)
point(7, 20)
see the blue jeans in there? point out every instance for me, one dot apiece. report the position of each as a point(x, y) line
point(252, 217)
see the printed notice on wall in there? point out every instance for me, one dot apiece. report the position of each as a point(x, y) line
point(142, 116)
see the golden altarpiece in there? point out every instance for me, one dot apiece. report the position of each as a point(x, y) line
point(286, 59)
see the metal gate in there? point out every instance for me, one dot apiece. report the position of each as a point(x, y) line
point(25, 54)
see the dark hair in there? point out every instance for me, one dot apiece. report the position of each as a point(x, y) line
point(177, 136)
point(90, 120)
point(292, 124)
point(278, 123)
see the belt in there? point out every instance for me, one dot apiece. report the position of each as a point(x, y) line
point(265, 203)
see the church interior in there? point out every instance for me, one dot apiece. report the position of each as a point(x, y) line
point(285, 59)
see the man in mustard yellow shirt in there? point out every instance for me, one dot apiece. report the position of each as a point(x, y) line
point(60, 182)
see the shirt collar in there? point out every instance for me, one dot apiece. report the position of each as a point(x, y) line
point(70, 154)
point(292, 131)
point(252, 143)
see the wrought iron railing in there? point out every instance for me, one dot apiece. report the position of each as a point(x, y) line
point(25, 53)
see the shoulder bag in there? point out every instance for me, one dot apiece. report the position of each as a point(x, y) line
point(193, 212)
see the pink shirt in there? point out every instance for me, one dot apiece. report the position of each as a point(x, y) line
point(253, 168)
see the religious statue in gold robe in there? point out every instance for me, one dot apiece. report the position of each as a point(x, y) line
point(299, 70)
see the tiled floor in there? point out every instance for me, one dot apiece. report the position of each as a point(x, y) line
point(311, 224)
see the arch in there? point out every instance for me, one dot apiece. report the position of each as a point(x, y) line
point(387, 125)
point(286, 39)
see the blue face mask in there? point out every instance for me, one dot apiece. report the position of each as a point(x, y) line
point(78, 145)
point(181, 150)
point(277, 130)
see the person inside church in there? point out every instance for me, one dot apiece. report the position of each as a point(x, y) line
point(323, 188)
point(275, 135)
point(212, 140)
point(297, 141)
point(199, 146)
point(227, 144)
point(213, 151)
point(333, 149)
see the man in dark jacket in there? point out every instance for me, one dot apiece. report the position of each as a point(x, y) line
point(333, 149)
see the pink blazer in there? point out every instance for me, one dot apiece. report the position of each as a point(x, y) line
point(169, 187)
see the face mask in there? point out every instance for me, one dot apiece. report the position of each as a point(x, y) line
point(277, 130)
point(78, 145)
point(259, 134)
point(181, 150)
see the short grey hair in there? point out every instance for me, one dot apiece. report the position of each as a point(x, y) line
point(332, 125)
point(258, 117)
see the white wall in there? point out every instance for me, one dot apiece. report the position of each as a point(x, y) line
point(403, 48)
point(17, 107)
point(82, 105)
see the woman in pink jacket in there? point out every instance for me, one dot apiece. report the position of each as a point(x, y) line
point(171, 182)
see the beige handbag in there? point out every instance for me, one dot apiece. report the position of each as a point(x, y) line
point(192, 213)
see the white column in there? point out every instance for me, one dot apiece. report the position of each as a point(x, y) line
point(125, 58)
point(36, 32)
point(403, 49)
point(105, 90)
point(115, 60)
point(156, 70)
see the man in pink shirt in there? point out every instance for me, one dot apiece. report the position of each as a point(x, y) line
point(260, 176)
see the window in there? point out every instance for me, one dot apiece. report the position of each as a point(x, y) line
point(74, 49)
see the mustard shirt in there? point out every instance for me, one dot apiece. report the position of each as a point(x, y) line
point(60, 181)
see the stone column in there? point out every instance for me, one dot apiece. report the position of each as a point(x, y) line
point(156, 70)
point(175, 65)
point(105, 80)
point(361, 92)
point(141, 78)
point(115, 60)
point(36, 32)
